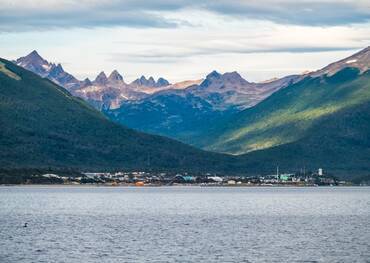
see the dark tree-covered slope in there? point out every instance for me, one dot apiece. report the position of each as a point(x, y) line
point(42, 125)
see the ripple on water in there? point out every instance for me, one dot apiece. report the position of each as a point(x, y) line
point(170, 224)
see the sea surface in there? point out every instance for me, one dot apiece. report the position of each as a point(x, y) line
point(184, 224)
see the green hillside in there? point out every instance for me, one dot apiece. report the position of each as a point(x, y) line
point(43, 126)
point(288, 114)
point(339, 143)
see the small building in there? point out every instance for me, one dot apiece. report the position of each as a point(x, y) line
point(215, 179)
point(231, 182)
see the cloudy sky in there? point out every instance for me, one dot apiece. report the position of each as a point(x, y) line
point(180, 39)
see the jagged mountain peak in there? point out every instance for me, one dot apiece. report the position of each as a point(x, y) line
point(234, 76)
point(150, 82)
point(102, 74)
point(227, 76)
point(35, 63)
point(32, 58)
point(213, 74)
point(217, 80)
point(101, 79)
point(115, 76)
point(56, 68)
point(35, 55)
point(162, 82)
point(86, 82)
point(55, 72)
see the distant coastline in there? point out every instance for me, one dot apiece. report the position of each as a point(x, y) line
point(172, 186)
point(159, 179)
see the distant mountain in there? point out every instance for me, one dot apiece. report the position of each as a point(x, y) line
point(185, 113)
point(142, 81)
point(221, 90)
point(105, 92)
point(176, 106)
point(231, 90)
point(115, 78)
point(35, 63)
point(158, 107)
point(44, 126)
point(288, 114)
point(86, 82)
point(101, 79)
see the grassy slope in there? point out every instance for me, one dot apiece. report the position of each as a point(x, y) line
point(42, 125)
point(339, 143)
point(287, 115)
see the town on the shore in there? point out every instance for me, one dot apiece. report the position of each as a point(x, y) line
point(142, 178)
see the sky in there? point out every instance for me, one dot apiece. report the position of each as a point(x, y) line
point(181, 40)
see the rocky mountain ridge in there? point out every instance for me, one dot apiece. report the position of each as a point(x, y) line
point(55, 72)
point(185, 110)
point(103, 92)
point(109, 92)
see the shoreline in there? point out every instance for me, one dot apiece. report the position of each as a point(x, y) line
point(173, 186)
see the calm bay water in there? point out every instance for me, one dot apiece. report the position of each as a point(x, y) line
point(184, 224)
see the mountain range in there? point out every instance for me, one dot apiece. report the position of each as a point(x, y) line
point(289, 113)
point(222, 91)
point(316, 119)
point(181, 110)
point(103, 92)
point(185, 113)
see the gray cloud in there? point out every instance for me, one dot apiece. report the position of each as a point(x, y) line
point(29, 18)
point(154, 56)
point(18, 15)
point(303, 12)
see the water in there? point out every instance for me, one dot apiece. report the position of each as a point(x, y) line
point(184, 224)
